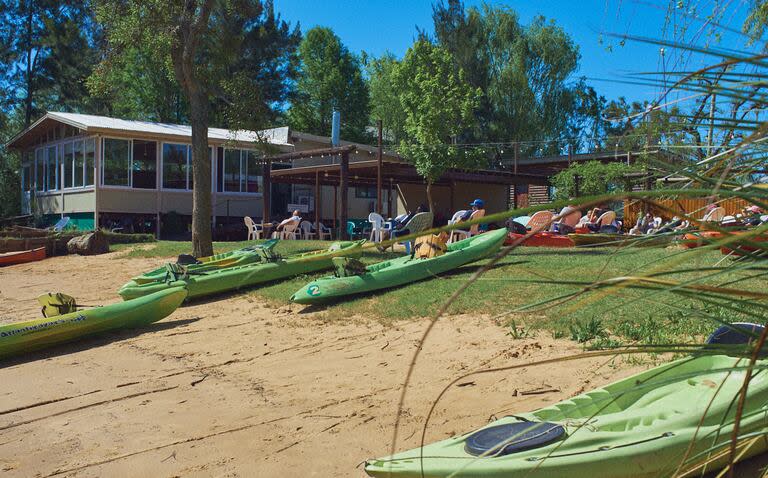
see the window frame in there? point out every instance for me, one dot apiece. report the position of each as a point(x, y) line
point(242, 178)
point(102, 164)
point(187, 158)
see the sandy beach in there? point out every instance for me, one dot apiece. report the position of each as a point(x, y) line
point(230, 387)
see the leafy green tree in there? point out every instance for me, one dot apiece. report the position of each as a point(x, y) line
point(757, 20)
point(139, 85)
point(198, 43)
point(593, 178)
point(47, 50)
point(385, 102)
point(330, 77)
point(438, 104)
point(526, 72)
point(10, 187)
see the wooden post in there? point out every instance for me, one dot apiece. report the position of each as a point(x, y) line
point(318, 200)
point(379, 168)
point(517, 152)
point(335, 206)
point(389, 199)
point(452, 187)
point(97, 182)
point(266, 194)
point(344, 194)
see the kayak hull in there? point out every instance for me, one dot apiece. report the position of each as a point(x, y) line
point(238, 257)
point(21, 337)
point(402, 270)
point(541, 239)
point(21, 257)
point(241, 277)
point(639, 427)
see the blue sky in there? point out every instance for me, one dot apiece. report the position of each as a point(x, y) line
point(376, 26)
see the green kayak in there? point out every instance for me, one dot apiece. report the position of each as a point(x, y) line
point(271, 267)
point(639, 427)
point(238, 257)
point(600, 239)
point(31, 335)
point(401, 271)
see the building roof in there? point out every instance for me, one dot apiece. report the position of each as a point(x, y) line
point(363, 172)
point(104, 124)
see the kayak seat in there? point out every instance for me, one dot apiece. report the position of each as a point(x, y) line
point(348, 267)
point(176, 271)
point(429, 246)
point(510, 438)
point(187, 259)
point(54, 304)
point(268, 255)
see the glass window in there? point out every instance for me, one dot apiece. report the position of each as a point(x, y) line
point(252, 172)
point(78, 161)
point(144, 166)
point(232, 170)
point(90, 156)
point(219, 169)
point(188, 168)
point(367, 193)
point(116, 162)
point(67, 161)
point(175, 166)
point(52, 164)
point(40, 169)
point(26, 178)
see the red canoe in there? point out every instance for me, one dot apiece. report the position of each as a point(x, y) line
point(740, 249)
point(700, 238)
point(541, 239)
point(20, 257)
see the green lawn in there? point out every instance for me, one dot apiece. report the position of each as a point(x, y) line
point(523, 278)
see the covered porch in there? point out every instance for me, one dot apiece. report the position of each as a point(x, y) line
point(390, 185)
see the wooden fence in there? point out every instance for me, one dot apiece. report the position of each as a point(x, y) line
point(668, 207)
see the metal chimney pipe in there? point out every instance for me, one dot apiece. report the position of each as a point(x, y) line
point(335, 127)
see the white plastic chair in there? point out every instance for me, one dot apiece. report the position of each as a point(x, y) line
point(378, 226)
point(290, 231)
point(61, 224)
point(254, 230)
point(458, 234)
point(717, 215)
point(324, 232)
point(306, 230)
point(419, 222)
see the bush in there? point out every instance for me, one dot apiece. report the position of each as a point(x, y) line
point(118, 238)
point(594, 178)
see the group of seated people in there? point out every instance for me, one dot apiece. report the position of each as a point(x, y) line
point(749, 216)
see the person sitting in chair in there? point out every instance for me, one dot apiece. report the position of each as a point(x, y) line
point(398, 227)
point(295, 218)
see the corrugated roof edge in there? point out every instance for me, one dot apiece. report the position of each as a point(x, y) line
point(94, 123)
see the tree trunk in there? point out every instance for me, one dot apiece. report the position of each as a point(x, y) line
point(28, 98)
point(201, 173)
point(193, 26)
point(430, 203)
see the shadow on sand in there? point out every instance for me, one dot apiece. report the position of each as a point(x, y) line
point(92, 341)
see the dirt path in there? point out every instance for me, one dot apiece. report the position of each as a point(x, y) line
point(232, 388)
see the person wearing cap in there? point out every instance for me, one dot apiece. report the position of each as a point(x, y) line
point(751, 216)
point(477, 211)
